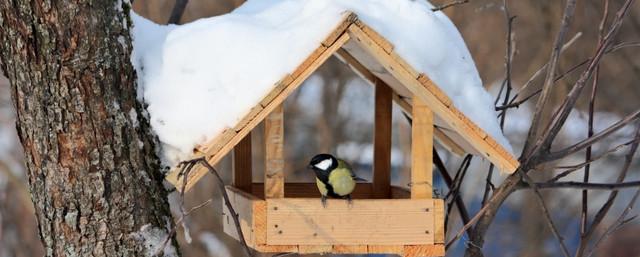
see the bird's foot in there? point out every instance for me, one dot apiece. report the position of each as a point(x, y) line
point(324, 201)
point(349, 201)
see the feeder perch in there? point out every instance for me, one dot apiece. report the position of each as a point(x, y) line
point(288, 217)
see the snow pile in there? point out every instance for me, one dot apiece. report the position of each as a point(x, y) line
point(202, 77)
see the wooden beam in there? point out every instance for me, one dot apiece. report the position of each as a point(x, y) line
point(382, 141)
point(214, 155)
point(421, 150)
point(305, 221)
point(368, 76)
point(242, 170)
point(425, 89)
point(274, 151)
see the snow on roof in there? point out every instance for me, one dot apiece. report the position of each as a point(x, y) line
point(202, 77)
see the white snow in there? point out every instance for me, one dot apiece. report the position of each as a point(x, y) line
point(202, 77)
point(153, 238)
point(215, 246)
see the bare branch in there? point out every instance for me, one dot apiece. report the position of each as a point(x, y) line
point(562, 114)
point(462, 209)
point(594, 89)
point(447, 5)
point(567, 16)
point(604, 210)
point(584, 185)
point(227, 202)
point(591, 140)
point(573, 168)
point(546, 213)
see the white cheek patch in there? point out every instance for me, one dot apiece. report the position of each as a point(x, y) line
point(323, 165)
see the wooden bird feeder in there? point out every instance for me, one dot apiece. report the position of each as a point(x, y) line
point(288, 217)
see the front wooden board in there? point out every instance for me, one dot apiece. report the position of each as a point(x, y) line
point(305, 221)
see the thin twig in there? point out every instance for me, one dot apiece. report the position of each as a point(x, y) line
point(552, 156)
point(454, 187)
point(620, 221)
point(462, 209)
point(532, 135)
point(227, 202)
point(447, 5)
point(584, 185)
point(560, 116)
point(546, 213)
point(604, 210)
point(573, 168)
point(503, 115)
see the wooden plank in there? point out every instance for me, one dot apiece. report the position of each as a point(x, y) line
point(423, 250)
point(276, 248)
point(365, 74)
point(215, 156)
point(435, 90)
point(242, 170)
point(260, 222)
point(319, 249)
point(375, 36)
point(284, 82)
point(310, 190)
point(304, 221)
point(248, 117)
point(347, 19)
point(448, 143)
point(444, 140)
point(244, 205)
point(274, 154)
point(421, 150)
point(414, 73)
point(385, 249)
point(448, 113)
point(174, 177)
point(382, 141)
point(349, 249)
point(438, 221)
point(400, 193)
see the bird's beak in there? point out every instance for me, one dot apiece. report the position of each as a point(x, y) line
point(310, 166)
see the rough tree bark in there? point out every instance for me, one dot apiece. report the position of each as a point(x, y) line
point(93, 174)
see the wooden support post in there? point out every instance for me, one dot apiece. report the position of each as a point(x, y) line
point(242, 170)
point(382, 141)
point(274, 150)
point(421, 150)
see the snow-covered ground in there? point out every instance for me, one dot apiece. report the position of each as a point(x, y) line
point(204, 76)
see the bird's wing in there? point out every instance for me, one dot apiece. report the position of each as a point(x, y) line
point(346, 165)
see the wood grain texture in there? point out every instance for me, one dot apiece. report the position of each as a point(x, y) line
point(385, 249)
point(274, 154)
point(382, 141)
point(242, 170)
point(214, 157)
point(423, 250)
point(245, 206)
point(350, 249)
point(421, 150)
point(438, 221)
point(449, 114)
point(368, 76)
point(310, 190)
point(304, 221)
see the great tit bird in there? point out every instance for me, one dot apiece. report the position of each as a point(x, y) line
point(334, 177)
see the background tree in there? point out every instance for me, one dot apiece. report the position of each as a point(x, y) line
point(94, 177)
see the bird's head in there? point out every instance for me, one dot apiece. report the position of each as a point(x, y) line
point(323, 162)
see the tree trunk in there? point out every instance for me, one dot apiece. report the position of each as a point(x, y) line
point(94, 177)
